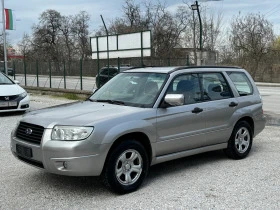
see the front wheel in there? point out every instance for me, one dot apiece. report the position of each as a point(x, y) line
point(126, 167)
point(240, 142)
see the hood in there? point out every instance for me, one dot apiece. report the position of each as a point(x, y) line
point(10, 90)
point(78, 113)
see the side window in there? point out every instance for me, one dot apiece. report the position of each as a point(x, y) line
point(113, 72)
point(188, 85)
point(104, 71)
point(215, 87)
point(241, 82)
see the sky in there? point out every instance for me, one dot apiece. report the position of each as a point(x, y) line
point(28, 11)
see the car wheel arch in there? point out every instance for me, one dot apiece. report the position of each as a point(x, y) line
point(249, 120)
point(136, 136)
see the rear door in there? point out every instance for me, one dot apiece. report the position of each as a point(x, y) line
point(220, 108)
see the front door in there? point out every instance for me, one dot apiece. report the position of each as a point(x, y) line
point(181, 127)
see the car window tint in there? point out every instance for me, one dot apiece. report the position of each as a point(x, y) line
point(241, 82)
point(214, 86)
point(104, 71)
point(113, 72)
point(5, 80)
point(135, 89)
point(110, 71)
point(188, 85)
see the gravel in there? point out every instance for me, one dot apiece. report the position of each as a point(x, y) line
point(205, 181)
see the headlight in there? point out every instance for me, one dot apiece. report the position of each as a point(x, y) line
point(71, 133)
point(23, 95)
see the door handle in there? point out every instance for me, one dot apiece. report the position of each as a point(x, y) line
point(197, 110)
point(233, 104)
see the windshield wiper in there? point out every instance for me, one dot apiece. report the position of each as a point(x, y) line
point(110, 101)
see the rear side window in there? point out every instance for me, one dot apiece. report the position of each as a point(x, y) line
point(111, 72)
point(242, 83)
point(215, 87)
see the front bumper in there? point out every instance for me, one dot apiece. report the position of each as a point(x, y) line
point(23, 105)
point(77, 158)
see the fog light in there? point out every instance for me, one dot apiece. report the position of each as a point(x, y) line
point(65, 165)
point(24, 106)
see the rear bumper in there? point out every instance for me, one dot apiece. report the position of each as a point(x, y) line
point(259, 121)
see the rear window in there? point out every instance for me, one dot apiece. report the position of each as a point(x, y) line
point(111, 71)
point(242, 83)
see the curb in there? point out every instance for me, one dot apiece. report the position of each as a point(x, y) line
point(57, 91)
point(263, 84)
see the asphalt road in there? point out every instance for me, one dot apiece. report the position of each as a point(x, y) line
point(271, 103)
point(206, 181)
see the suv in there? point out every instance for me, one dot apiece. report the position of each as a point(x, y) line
point(143, 117)
point(10, 71)
point(107, 73)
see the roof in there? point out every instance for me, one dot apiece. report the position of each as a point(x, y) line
point(171, 69)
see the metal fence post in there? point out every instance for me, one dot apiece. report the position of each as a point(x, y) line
point(98, 64)
point(24, 66)
point(142, 53)
point(14, 67)
point(118, 64)
point(188, 60)
point(64, 74)
point(50, 71)
point(37, 72)
point(81, 73)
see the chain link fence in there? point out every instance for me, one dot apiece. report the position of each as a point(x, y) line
point(78, 74)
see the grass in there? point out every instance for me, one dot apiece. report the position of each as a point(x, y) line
point(71, 96)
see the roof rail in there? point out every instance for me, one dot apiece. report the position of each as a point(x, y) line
point(187, 67)
point(202, 67)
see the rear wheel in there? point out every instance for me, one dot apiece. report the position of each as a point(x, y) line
point(126, 167)
point(240, 142)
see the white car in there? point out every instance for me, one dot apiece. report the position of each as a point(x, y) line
point(12, 96)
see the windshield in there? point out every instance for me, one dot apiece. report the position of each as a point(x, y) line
point(5, 80)
point(131, 89)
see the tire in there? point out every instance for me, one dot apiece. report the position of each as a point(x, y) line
point(123, 175)
point(240, 142)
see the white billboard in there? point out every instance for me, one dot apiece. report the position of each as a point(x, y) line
point(123, 45)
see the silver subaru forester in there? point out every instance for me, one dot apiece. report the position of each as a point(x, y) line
point(143, 117)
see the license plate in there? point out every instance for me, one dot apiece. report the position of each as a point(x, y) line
point(24, 151)
point(4, 104)
point(12, 103)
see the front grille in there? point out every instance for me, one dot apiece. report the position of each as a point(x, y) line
point(11, 98)
point(8, 108)
point(23, 132)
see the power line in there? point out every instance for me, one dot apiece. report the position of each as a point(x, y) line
point(272, 10)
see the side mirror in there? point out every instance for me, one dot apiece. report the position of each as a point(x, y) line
point(174, 99)
point(17, 82)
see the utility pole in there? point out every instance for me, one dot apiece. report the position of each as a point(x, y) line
point(4, 39)
point(196, 7)
point(108, 59)
point(107, 34)
point(194, 41)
